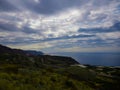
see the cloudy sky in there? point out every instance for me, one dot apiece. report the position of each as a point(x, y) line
point(61, 25)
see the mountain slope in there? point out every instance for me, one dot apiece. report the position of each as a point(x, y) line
point(4, 49)
point(20, 71)
point(32, 58)
point(33, 52)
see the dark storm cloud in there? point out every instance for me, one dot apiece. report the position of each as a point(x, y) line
point(100, 42)
point(115, 27)
point(97, 42)
point(15, 41)
point(67, 37)
point(30, 40)
point(52, 6)
point(7, 27)
point(55, 6)
point(6, 6)
point(29, 30)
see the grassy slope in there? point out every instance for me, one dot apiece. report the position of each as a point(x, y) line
point(19, 72)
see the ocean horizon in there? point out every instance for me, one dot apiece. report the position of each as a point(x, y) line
point(98, 59)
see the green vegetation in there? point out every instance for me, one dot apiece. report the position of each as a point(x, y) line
point(13, 77)
point(37, 79)
point(23, 72)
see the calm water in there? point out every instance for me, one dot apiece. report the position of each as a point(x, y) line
point(104, 59)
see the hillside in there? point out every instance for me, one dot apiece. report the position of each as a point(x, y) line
point(32, 52)
point(27, 71)
point(4, 49)
point(32, 58)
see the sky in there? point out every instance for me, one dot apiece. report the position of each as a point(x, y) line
point(61, 25)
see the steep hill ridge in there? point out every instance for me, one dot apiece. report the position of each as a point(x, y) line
point(32, 58)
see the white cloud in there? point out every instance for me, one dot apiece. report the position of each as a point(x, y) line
point(110, 35)
point(89, 49)
point(37, 1)
point(36, 46)
point(68, 21)
point(65, 23)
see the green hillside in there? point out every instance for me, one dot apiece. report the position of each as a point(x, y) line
point(19, 71)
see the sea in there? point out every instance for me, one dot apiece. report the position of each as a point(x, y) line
point(98, 59)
